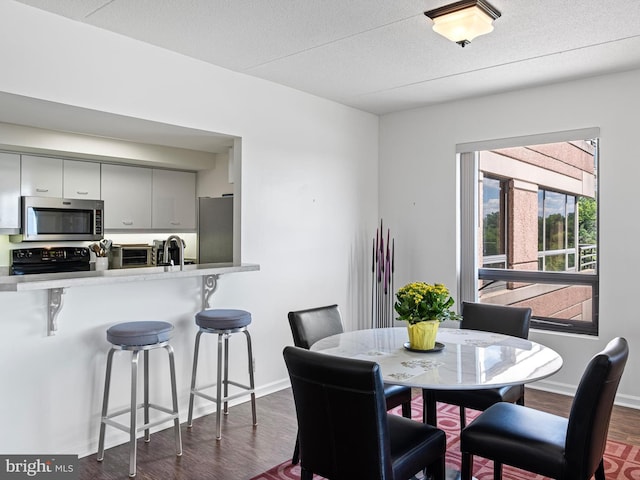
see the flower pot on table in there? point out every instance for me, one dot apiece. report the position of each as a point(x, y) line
point(422, 335)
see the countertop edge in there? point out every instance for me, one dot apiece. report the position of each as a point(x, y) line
point(21, 283)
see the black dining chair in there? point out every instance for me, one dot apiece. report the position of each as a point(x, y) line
point(313, 324)
point(343, 426)
point(540, 442)
point(486, 317)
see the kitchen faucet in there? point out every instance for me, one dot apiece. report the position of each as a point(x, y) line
point(180, 245)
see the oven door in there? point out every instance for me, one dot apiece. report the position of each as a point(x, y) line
point(49, 267)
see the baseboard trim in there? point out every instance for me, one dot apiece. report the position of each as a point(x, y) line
point(622, 400)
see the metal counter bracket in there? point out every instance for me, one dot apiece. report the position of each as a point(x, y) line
point(209, 285)
point(55, 304)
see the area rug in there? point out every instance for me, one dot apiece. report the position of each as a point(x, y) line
point(622, 461)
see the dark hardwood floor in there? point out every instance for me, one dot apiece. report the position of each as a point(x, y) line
point(245, 451)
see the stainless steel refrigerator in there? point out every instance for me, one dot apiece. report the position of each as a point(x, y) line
point(215, 229)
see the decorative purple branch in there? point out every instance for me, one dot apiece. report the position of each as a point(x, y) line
point(382, 270)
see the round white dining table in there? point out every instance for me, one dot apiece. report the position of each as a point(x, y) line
point(465, 359)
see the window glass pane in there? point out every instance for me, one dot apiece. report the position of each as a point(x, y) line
point(492, 217)
point(554, 221)
point(571, 222)
point(587, 220)
point(555, 263)
point(495, 265)
point(547, 301)
point(540, 221)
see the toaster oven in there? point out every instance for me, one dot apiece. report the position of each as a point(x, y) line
point(131, 256)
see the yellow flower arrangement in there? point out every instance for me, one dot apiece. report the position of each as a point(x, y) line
point(420, 301)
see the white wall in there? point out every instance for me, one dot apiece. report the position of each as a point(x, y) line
point(418, 195)
point(309, 211)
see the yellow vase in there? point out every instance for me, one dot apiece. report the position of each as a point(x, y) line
point(422, 335)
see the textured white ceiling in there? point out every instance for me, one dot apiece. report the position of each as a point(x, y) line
point(379, 55)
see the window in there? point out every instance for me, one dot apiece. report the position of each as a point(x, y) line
point(556, 231)
point(532, 212)
point(493, 223)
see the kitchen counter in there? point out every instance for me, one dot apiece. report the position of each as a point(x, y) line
point(55, 283)
point(45, 281)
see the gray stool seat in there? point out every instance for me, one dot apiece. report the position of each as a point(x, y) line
point(224, 323)
point(139, 333)
point(223, 319)
point(139, 337)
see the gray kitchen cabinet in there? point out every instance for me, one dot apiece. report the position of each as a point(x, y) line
point(173, 200)
point(41, 176)
point(9, 192)
point(81, 179)
point(126, 192)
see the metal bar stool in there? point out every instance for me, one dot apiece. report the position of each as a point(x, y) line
point(224, 323)
point(137, 337)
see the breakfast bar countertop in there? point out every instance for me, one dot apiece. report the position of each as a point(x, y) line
point(44, 281)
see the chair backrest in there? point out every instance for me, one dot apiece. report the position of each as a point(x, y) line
point(309, 326)
point(591, 409)
point(341, 410)
point(496, 318)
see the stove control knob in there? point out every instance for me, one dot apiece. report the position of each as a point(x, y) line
point(29, 254)
point(20, 254)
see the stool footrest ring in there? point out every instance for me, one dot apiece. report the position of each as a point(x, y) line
point(125, 428)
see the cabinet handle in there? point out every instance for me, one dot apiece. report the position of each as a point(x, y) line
point(130, 222)
point(42, 190)
point(174, 223)
point(82, 193)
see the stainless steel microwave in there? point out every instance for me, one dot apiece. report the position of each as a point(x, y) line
point(61, 219)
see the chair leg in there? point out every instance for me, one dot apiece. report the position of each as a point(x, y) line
point(219, 389)
point(406, 409)
point(429, 410)
point(437, 469)
point(105, 405)
point(133, 427)
point(600, 471)
point(306, 474)
point(463, 418)
point(147, 436)
point(193, 379)
point(296, 452)
point(251, 379)
point(467, 466)
point(174, 401)
point(497, 471)
point(225, 382)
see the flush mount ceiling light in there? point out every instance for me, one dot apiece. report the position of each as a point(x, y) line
point(463, 21)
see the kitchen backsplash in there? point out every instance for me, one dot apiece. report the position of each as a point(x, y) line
point(190, 240)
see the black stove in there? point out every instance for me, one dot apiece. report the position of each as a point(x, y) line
point(25, 261)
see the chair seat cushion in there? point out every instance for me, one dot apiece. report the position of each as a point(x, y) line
point(480, 399)
point(413, 445)
point(139, 333)
point(223, 319)
point(520, 436)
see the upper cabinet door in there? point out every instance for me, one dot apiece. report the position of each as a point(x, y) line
point(126, 192)
point(174, 200)
point(81, 180)
point(9, 191)
point(41, 176)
